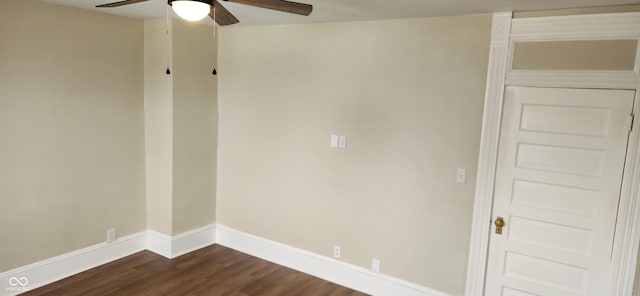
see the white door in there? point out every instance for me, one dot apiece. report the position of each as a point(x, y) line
point(561, 157)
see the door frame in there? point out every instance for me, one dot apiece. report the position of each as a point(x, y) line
point(504, 33)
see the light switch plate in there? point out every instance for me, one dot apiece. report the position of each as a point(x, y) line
point(334, 141)
point(342, 142)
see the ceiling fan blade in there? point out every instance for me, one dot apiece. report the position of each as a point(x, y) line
point(120, 3)
point(279, 5)
point(222, 16)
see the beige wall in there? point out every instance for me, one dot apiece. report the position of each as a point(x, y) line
point(158, 108)
point(72, 128)
point(181, 126)
point(195, 124)
point(408, 94)
point(78, 101)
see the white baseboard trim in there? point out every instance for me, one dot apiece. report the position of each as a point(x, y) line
point(53, 269)
point(193, 240)
point(159, 243)
point(332, 270)
point(171, 247)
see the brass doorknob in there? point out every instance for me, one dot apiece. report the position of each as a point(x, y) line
point(499, 224)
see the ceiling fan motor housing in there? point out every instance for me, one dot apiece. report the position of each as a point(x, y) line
point(210, 2)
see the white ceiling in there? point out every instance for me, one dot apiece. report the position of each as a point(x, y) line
point(350, 10)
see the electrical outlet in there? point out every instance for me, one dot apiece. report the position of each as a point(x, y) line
point(461, 176)
point(375, 265)
point(336, 251)
point(111, 235)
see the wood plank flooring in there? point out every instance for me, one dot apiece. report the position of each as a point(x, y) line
point(214, 270)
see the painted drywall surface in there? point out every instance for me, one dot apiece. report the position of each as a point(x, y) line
point(181, 126)
point(72, 129)
point(158, 108)
point(194, 127)
point(408, 94)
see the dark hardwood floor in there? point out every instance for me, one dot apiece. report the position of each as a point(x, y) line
point(214, 270)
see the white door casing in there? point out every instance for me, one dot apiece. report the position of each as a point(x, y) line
point(560, 165)
point(505, 32)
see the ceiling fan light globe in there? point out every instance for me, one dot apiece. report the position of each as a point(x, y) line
point(191, 10)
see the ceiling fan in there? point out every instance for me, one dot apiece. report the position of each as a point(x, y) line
point(198, 9)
